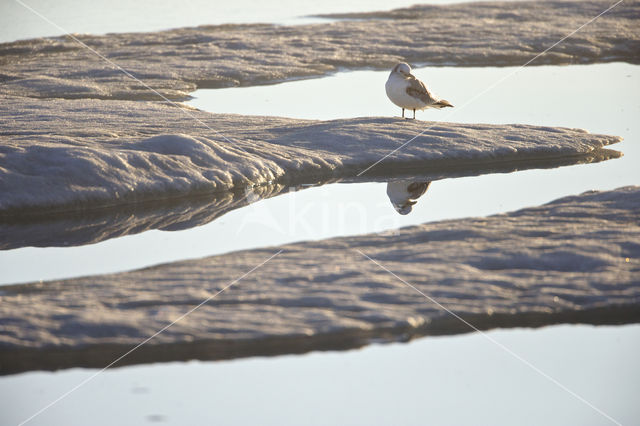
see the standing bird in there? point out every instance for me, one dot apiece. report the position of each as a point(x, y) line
point(406, 91)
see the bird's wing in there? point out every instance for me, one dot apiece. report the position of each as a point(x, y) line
point(417, 189)
point(417, 89)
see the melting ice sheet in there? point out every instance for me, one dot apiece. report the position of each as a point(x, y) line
point(466, 34)
point(571, 260)
point(333, 210)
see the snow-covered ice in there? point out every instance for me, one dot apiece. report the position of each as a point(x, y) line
point(175, 62)
point(62, 154)
point(572, 260)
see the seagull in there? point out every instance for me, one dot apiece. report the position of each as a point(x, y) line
point(403, 194)
point(406, 91)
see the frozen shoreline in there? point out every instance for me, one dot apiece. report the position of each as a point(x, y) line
point(572, 260)
point(176, 62)
point(64, 155)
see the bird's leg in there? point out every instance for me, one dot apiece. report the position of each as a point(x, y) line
point(414, 113)
point(402, 112)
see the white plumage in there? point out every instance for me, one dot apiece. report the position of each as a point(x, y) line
point(406, 91)
point(403, 194)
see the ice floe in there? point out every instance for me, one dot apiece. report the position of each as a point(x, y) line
point(572, 260)
point(64, 154)
point(175, 62)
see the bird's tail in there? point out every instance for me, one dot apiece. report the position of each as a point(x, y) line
point(442, 104)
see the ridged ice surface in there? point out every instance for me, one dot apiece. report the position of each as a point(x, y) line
point(572, 260)
point(76, 154)
point(175, 62)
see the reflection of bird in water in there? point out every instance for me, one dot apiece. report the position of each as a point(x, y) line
point(404, 193)
point(406, 91)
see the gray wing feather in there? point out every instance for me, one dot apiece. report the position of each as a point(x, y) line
point(417, 89)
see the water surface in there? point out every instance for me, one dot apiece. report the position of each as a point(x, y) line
point(456, 380)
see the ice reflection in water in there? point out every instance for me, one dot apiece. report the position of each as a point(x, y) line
point(124, 238)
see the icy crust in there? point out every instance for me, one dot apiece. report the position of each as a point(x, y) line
point(175, 62)
point(32, 228)
point(572, 260)
point(77, 154)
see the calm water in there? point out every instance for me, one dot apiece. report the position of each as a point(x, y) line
point(443, 381)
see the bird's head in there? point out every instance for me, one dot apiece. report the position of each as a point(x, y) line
point(405, 208)
point(402, 68)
